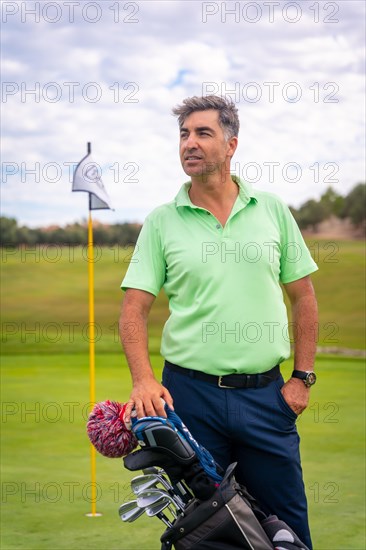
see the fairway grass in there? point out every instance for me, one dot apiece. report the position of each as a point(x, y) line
point(45, 453)
point(45, 303)
point(46, 456)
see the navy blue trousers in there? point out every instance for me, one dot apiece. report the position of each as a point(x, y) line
point(255, 428)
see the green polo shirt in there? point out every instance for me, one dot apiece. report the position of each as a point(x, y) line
point(227, 313)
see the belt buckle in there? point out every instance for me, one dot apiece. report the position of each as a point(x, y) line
point(221, 385)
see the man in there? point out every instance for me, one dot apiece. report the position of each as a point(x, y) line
point(221, 252)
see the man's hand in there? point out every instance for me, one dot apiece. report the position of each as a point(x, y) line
point(147, 398)
point(296, 395)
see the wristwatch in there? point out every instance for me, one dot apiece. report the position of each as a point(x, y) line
point(307, 376)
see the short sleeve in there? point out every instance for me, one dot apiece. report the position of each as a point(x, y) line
point(147, 267)
point(296, 261)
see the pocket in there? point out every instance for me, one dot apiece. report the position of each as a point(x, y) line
point(285, 407)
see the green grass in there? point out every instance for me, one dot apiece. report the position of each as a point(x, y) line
point(46, 458)
point(46, 302)
point(45, 392)
point(340, 288)
point(46, 464)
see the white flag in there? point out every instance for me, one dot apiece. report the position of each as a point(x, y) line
point(87, 178)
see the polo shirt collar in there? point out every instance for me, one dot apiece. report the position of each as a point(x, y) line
point(246, 194)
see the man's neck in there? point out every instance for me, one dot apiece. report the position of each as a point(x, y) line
point(217, 196)
point(213, 191)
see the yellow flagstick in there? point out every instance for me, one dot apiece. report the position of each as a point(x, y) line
point(90, 256)
point(85, 179)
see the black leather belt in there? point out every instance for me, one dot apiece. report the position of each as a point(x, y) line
point(230, 380)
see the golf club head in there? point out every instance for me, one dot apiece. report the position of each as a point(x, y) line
point(179, 488)
point(152, 497)
point(130, 511)
point(152, 470)
point(142, 483)
point(159, 474)
point(148, 498)
point(157, 510)
point(159, 506)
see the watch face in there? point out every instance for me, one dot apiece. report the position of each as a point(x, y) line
point(310, 378)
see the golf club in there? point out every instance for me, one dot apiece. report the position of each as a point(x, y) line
point(130, 511)
point(157, 510)
point(157, 474)
point(159, 506)
point(179, 488)
point(149, 498)
point(143, 483)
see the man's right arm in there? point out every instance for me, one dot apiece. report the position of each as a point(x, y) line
point(147, 392)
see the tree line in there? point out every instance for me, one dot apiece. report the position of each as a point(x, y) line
point(74, 234)
point(351, 206)
point(308, 215)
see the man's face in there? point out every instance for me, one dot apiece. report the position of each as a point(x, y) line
point(203, 148)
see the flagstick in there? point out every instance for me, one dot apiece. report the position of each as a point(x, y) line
point(94, 187)
point(90, 256)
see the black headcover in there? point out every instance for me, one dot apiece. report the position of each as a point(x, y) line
point(192, 473)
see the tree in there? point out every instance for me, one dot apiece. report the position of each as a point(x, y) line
point(354, 205)
point(332, 202)
point(311, 213)
point(9, 231)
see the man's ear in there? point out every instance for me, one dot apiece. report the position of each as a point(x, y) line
point(232, 145)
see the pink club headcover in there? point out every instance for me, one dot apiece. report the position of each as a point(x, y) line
point(108, 432)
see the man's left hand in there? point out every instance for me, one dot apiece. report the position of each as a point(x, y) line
point(296, 395)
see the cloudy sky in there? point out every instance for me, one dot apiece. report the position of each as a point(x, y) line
point(109, 72)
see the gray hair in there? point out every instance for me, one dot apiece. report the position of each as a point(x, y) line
point(228, 113)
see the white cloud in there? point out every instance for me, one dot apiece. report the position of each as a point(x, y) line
point(140, 70)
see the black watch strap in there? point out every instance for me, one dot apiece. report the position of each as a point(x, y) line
point(308, 377)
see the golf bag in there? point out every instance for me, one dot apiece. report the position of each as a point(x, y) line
point(219, 513)
point(226, 521)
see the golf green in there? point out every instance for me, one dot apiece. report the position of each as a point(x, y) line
point(46, 487)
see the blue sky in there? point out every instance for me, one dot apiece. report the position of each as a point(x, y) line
point(109, 72)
